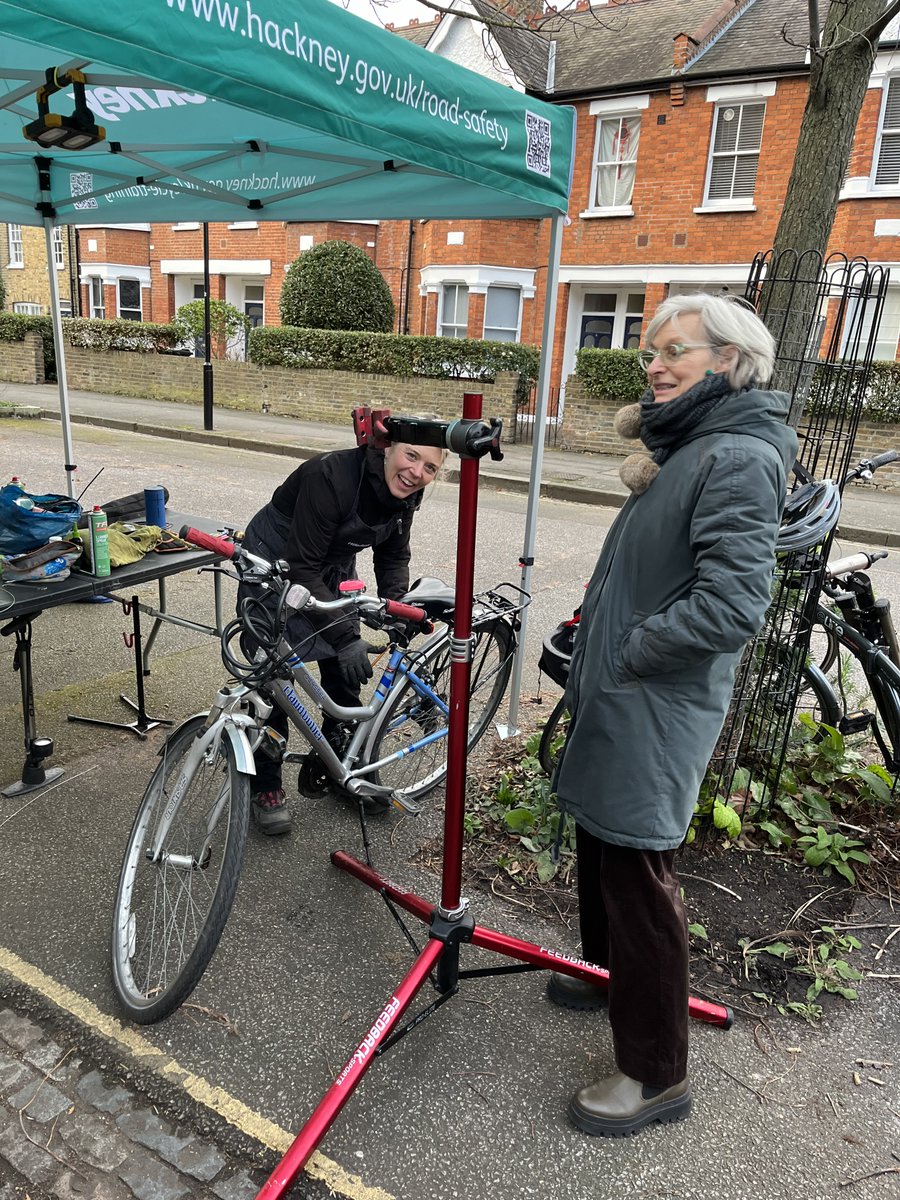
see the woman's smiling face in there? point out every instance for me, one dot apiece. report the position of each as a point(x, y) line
point(407, 469)
point(670, 377)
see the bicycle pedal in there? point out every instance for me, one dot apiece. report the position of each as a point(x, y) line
point(405, 806)
point(855, 722)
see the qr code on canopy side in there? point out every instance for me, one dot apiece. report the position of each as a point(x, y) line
point(81, 183)
point(537, 152)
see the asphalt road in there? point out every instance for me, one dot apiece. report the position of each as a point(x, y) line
point(473, 1103)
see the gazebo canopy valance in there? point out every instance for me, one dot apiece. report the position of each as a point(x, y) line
point(263, 110)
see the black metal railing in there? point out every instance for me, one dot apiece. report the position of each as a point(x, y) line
point(524, 418)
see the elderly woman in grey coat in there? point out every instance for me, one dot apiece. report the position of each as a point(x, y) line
point(681, 585)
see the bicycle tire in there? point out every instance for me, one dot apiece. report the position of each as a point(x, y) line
point(887, 721)
point(555, 727)
point(168, 917)
point(405, 717)
point(817, 697)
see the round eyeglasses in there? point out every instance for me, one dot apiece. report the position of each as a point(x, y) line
point(670, 354)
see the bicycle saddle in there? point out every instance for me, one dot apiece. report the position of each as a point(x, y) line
point(431, 594)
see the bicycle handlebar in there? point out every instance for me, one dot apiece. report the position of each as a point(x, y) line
point(298, 596)
point(853, 562)
point(866, 467)
point(405, 612)
point(207, 541)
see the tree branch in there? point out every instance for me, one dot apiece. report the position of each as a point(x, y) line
point(878, 27)
point(871, 34)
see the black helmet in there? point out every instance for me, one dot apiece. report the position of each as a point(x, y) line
point(556, 653)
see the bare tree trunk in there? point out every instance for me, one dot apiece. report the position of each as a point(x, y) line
point(841, 63)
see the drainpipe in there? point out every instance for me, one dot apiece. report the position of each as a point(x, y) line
point(409, 245)
point(74, 269)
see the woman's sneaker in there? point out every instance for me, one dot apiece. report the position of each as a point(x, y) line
point(270, 813)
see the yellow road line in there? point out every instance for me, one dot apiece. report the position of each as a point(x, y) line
point(236, 1113)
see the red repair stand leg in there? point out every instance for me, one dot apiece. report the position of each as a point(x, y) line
point(449, 924)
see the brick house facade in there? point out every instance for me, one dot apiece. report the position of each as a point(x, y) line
point(687, 121)
point(23, 255)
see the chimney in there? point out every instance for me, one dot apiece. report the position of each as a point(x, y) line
point(413, 21)
point(582, 5)
point(525, 12)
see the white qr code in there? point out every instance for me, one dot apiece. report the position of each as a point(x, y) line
point(81, 183)
point(537, 152)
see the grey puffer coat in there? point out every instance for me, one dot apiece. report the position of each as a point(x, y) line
point(682, 583)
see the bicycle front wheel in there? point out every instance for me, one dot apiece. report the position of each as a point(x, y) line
point(409, 717)
point(174, 898)
point(553, 737)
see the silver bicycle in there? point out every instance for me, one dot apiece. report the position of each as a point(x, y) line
point(184, 854)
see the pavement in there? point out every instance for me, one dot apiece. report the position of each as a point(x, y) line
point(474, 1107)
point(871, 513)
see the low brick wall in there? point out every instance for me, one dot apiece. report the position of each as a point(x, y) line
point(22, 362)
point(587, 424)
point(312, 395)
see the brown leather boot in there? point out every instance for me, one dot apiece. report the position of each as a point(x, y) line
point(580, 994)
point(620, 1106)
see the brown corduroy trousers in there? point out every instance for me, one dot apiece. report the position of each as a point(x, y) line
point(633, 923)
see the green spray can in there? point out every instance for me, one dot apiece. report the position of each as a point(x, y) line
point(99, 542)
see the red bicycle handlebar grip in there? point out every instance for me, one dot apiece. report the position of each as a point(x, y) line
point(406, 612)
point(206, 541)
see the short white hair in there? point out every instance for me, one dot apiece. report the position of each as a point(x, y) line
point(730, 321)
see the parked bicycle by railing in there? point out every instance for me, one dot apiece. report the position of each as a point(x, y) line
point(850, 617)
point(184, 854)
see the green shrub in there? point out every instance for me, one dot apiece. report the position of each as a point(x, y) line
point(95, 334)
point(611, 374)
point(228, 326)
point(336, 286)
point(832, 393)
point(391, 354)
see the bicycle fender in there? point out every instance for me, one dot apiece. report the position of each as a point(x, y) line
point(178, 729)
point(243, 755)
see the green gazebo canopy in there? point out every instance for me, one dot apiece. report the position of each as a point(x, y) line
point(265, 110)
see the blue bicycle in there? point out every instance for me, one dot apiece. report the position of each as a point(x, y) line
point(184, 854)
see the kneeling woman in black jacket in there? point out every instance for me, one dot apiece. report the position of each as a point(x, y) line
point(324, 512)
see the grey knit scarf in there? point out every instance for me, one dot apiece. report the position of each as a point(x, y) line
point(664, 426)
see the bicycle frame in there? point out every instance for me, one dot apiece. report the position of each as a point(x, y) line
point(285, 696)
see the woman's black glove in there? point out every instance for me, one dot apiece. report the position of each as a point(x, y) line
point(353, 663)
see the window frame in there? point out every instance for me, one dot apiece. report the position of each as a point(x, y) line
point(611, 110)
point(620, 315)
point(732, 201)
point(129, 279)
point(891, 81)
point(443, 325)
point(98, 311)
point(15, 247)
point(252, 303)
point(625, 207)
point(59, 260)
point(27, 308)
point(515, 330)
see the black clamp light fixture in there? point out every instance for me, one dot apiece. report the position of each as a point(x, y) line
point(51, 130)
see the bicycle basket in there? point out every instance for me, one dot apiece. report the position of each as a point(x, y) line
point(556, 652)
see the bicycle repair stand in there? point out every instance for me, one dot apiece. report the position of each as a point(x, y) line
point(142, 725)
point(34, 774)
point(450, 924)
